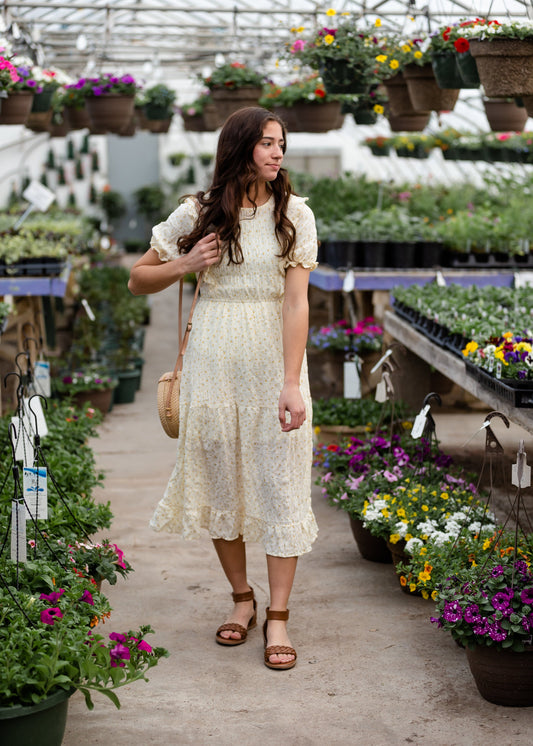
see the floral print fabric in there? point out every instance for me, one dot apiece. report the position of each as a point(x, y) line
point(236, 473)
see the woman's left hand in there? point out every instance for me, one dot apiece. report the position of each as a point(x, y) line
point(291, 402)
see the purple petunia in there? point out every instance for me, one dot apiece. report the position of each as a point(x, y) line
point(436, 620)
point(481, 628)
point(521, 566)
point(452, 611)
point(53, 597)
point(117, 637)
point(87, 598)
point(496, 571)
point(527, 596)
point(49, 616)
point(98, 90)
point(119, 654)
point(500, 601)
point(496, 632)
point(471, 614)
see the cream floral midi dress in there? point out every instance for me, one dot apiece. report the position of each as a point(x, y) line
point(236, 472)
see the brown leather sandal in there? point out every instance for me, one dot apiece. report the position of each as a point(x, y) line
point(234, 626)
point(281, 616)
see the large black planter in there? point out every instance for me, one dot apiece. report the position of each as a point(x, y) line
point(373, 253)
point(340, 253)
point(466, 65)
point(28, 725)
point(401, 254)
point(340, 76)
point(445, 71)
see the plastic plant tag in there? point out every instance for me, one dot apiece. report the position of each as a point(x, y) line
point(498, 369)
point(483, 426)
point(439, 277)
point(381, 361)
point(88, 309)
point(348, 284)
point(521, 472)
point(35, 491)
point(18, 532)
point(24, 446)
point(420, 422)
point(381, 391)
point(41, 380)
point(37, 408)
point(352, 382)
point(523, 279)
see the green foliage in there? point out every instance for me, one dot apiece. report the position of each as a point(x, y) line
point(233, 75)
point(113, 204)
point(348, 412)
point(160, 95)
point(150, 201)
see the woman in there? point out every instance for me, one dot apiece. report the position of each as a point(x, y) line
point(243, 467)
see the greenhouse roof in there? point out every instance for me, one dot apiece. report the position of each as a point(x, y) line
point(176, 38)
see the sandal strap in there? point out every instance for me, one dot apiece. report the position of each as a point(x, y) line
point(233, 627)
point(279, 650)
point(281, 616)
point(246, 596)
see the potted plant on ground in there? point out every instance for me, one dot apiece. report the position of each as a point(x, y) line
point(93, 385)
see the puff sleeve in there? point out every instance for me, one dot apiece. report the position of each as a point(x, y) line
point(305, 249)
point(178, 223)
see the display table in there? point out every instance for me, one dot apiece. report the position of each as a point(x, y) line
point(453, 368)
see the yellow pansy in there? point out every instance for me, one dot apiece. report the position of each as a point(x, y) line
point(381, 58)
point(425, 594)
point(434, 595)
point(394, 538)
point(418, 54)
point(423, 550)
point(412, 587)
point(400, 512)
point(317, 429)
point(329, 39)
point(331, 12)
point(428, 567)
point(408, 537)
point(385, 513)
point(444, 495)
point(406, 48)
point(394, 64)
point(486, 544)
point(300, 29)
point(523, 346)
point(377, 24)
point(424, 576)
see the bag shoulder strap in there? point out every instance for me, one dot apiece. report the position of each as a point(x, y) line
point(184, 338)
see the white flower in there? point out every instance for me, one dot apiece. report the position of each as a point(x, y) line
point(401, 528)
point(413, 544)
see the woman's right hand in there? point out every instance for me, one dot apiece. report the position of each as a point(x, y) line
point(203, 254)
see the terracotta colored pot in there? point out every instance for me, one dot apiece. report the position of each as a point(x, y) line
point(504, 115)
point(59, 129)
point(505, 66)
point(193, 123)
point(398, 95)
point(101, 400)
point(409, 122)
point(210, 115)
point(110, 112)
point(425, 93)
point(290, 116)
point(229, 101)
point(159, 125)
point(16, 107)
point(372, 548)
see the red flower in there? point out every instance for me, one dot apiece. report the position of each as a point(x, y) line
point(320, 92)
point(446, 33)
point(461, 45)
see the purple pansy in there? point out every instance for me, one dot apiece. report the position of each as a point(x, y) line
point(119, 654)
point(452, 611)
point(53, 597)
point(527, 596)
point(49, 616)
point(500, 601)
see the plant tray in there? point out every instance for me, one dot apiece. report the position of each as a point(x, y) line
point(518, 393)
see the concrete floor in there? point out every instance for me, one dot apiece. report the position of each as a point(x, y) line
point(371, 669)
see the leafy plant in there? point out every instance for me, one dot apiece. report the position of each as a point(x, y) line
point(233, 75)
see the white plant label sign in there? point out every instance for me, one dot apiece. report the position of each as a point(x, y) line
point(18, 532)
point(35, 490)
point(41, 378)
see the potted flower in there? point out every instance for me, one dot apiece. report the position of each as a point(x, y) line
point(110, 100)
point(49, 81)
point(200, 115)
point(424, 91)
point(91, 385)
point(233, 86)
point(380, 145)
point(158, 107)
point(488, 608)
point(73, 100)
point(452, 61)
point(97, 561)
point(304, 105)
point(52, 647)
point(344, 56)
point(504, 57)
point(366, 107)
point(18, 82)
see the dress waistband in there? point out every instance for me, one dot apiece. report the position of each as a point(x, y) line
point(211, 299)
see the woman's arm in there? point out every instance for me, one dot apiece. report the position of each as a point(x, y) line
point(295, 313)
point(150, 275)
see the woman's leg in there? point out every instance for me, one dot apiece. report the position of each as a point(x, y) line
point(232, 556)
point(281, 571)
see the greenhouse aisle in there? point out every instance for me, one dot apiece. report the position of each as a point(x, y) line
point(371, 668)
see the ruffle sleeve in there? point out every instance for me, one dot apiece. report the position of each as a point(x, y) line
point(305, 250)
point(179, 223)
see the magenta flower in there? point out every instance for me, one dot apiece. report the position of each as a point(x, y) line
point(298, 46)
point(53, 597)
point(120, 555)
point(142, 645)
point(98, 90)
point(452, 611)
point(471, 614)
point(119, 654)
point(117, 637)
point(527, 596)
point(87, 598)
point(500, 601)
point(496, 571)
point(496, 632)
point(48, 616)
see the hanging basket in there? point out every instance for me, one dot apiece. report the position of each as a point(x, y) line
point(398, 95)
point(16, 107)
point(467, 67)
point(319, 117)
point(339, 76)
point(229, 101)
point(59, 129)
point(504, 115)
point(43, 723)
point(505, 66)
point(289, 116)
point(42, 101)
point(110, 112)
point(425, 93)
point(131, 128)
point(193, 122)
point(142, 121)
point(210, 115)
point(77, 118)
point(39, 121)
point(409, 122)
point(159, 125)
point(503, 677)
point(445, 71)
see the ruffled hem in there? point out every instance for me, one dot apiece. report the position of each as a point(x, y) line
point(307, 264)
point(279, 541)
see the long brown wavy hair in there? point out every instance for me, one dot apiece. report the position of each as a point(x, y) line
point(234, 179)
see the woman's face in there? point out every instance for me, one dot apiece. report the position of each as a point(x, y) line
point(268, 153)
